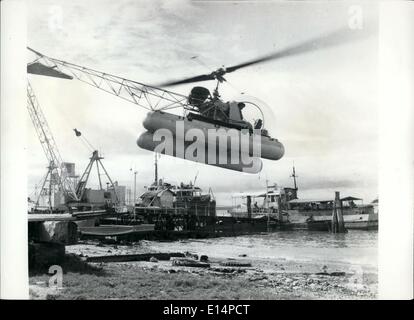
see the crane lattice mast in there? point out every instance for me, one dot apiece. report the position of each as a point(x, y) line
point(49, 145)
point(145, 96)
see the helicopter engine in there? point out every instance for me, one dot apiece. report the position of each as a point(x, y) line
point(198, 96)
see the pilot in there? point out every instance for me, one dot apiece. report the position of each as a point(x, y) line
point(222, 111)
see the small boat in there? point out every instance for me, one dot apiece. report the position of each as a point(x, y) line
point(356, 215)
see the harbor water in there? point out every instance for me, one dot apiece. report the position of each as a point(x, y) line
point(278, 265)
point(355, 247)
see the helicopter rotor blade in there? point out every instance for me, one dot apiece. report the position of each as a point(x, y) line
point(336, 38)
point(332, 39)
point(203, 77)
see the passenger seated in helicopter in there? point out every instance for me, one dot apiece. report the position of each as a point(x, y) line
point(258, 124)
point(216, 109)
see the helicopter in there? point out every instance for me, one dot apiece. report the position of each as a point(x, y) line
point(202, 110)
point(210, 112)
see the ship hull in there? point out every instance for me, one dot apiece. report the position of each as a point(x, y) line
point(352, 220)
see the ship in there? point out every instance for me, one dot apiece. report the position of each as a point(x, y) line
point(184, 209)
point(171, 207)
point(282, 209)
point(316, 214)
point(263, 209)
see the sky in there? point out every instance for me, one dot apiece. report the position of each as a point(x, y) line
point(322, 105)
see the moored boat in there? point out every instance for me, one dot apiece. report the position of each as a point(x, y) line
point(356, 215)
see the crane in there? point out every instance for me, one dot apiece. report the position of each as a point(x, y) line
point(81, 186)
point(57, 171)
point(145, 96)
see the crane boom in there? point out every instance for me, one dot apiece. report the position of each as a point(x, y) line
point(48, 144)
point(145, 96)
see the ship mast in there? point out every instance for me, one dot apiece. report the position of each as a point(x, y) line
point(294, 176)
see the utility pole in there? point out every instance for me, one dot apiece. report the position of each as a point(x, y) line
point(267, 204)
point(135, 187)
point(156, 168)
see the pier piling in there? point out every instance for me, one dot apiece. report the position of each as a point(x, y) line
point(249, 207)
point(338, 225)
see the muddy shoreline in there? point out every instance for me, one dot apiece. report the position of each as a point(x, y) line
point(234, 277)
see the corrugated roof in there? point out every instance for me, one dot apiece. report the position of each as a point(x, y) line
point(255, 194)
point(309, 200)
point(322, 200)
point(350, 199)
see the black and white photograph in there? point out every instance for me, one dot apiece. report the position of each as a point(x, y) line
point(206, 150)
